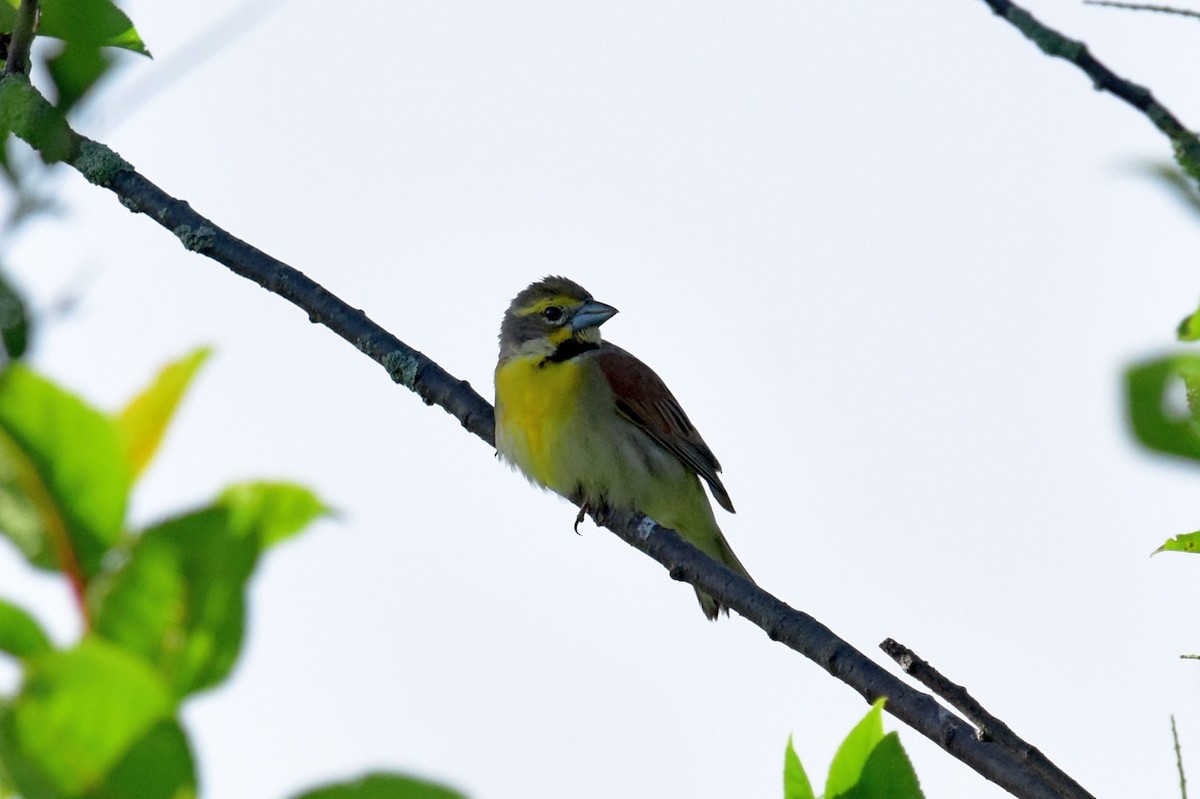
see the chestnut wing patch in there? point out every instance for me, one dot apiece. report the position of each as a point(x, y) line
point(644, 399)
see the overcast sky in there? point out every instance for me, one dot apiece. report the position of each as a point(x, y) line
point(891, 259)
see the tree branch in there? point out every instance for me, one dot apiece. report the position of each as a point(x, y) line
point(435, 386)
point(1053, 43)
point(989, 727)
point(22, 38)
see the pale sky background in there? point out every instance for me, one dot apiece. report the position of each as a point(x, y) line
point(891, 259)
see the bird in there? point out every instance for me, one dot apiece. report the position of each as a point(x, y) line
point(589, 421)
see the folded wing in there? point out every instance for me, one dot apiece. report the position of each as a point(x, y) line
point(645, 400)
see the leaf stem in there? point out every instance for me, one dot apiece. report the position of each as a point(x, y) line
point(22, 38)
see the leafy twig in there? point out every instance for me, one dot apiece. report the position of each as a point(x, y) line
point(1053, 43)
point(989, 727)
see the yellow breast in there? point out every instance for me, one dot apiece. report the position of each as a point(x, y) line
point(535, 410)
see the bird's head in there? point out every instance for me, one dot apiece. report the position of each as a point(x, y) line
point(550, 313)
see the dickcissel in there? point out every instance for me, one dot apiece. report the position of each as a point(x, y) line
point(587, 420)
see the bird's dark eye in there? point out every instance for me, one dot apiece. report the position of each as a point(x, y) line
point(553, 314)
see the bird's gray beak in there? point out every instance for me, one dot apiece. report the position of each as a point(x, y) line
point(592, 314)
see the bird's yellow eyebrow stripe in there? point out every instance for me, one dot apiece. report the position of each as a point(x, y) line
point(543, 304)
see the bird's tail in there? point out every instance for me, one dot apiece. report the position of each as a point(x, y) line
point(718, 548)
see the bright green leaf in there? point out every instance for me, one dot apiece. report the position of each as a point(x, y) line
point(75, 70)
point(1188, 542)
point(853, 752)
point(78, 714)
point(795, 781)
point(1153, 423)
point(383, 786)
point(145, 419)
point(179, 600)
point(272, 512)
point(8, 14)
point(159, 766)
point(64, 482)
point(92, 22)
point(20, 634)
point(887, 774)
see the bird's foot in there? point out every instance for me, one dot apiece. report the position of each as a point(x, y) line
point(600, 511)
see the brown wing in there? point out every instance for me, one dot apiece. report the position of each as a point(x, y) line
point(644, 399)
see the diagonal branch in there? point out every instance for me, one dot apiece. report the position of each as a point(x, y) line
point(434, 385)
point(1053, 43)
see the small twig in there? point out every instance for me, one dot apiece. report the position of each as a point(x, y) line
point(1053, 43)
point(1189, 657)
point(1178, 759)
point(1183, 12)
point(22, 38)
point(989, 727)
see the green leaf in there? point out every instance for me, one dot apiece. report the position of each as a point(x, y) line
point(8, 787)
point(20, 634)
point(77, 716)
point(1189, 328)
point(98, 23)
point(887, 774)
point(1153, 424)
point(144, 420)
point(159, 766)
point(1188, 542)
point(272, 512)
point(795, 781)
point(179, 600)
point(75, 70)
point(14, 319)
point(383, 786)
point(13, 768)
point(853, 752)
point(64, 482)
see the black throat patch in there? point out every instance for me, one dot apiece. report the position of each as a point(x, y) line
point(568, 350)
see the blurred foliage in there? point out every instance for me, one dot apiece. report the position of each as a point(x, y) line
point(1164, 422)
point(163, 608)
point(867, 765)
point(77, 62)
point(382, 786)
point(96, 21)
point(1163, 394)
